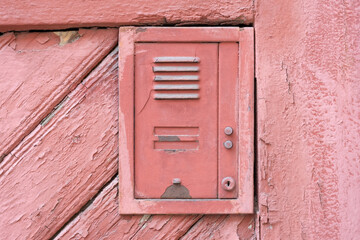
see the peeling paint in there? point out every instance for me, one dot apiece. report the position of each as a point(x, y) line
point(140, 29)
point(67, 37)
point(144, 219)
point(41, 38)
point(53, 112)
point(176, 191)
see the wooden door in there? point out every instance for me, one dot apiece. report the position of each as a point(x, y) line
point(59, 143)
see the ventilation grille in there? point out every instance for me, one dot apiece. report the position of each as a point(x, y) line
point(176, 78)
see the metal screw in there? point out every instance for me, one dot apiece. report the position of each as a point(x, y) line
point(228, 183)
point(228, 131)
point(176, 181)
point(228, 144)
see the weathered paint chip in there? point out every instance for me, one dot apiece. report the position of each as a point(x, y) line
point(41, 38)
point(67, 37)
point(176, 191)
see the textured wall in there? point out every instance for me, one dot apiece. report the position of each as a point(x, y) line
point(308, 96)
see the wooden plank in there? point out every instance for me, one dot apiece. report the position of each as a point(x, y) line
point(102, 220)
point(246, 118)
point(193, 34)
point(223, 227)
point(167, 226)
point(38, 69)
point(60, 166)
point(42, 14)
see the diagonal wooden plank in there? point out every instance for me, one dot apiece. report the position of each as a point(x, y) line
point(166, 226)
point(38, 69)
point(57, 168)
point(102, 220)
point(223, 227)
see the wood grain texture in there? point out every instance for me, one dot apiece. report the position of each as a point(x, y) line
point(308, 61)
point(38, 69)
point(41, 14)
point(64, 162)
point(60, 166)
point(101, 220)
point(223, 227)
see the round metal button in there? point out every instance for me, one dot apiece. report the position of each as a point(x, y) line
point(228, 131)
point(176, 181)
point(228, 144)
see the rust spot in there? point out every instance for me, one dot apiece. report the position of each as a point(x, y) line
point(176, 191)
point(169, 138)
point(67, 37)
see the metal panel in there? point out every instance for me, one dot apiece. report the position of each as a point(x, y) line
point(188, 146)
point(183, 108)
point(228, 117)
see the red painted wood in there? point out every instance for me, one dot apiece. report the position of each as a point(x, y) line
point(308, 96)
point(128, 203)
point(203, 34)
point(307, 72)
point(102, 220)
point(38, 70)
point(195, 164)
point(60, 166)
point(41, 14)
point(223, 227)
point(246, 118)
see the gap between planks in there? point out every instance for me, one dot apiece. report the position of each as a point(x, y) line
point(85, 206)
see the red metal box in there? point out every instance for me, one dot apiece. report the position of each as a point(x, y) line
point(186, 120)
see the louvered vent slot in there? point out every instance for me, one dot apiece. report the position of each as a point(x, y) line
point(176, 78)
point(176, 138)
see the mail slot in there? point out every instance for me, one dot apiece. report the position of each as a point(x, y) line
point(185, 120)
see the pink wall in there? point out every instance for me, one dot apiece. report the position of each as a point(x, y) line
point(308, 96)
